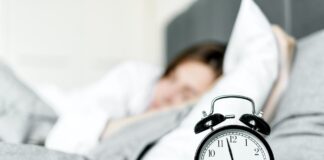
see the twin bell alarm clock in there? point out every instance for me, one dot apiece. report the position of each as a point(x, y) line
point(234, 141)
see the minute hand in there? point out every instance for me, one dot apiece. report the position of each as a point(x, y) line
point(230, 150)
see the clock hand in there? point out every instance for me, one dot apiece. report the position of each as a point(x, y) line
point(230, 150)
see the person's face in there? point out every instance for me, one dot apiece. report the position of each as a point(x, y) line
point(186, 82)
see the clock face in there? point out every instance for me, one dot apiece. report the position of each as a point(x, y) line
point(234, 143)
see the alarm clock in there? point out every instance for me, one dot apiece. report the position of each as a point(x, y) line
point(235, 141)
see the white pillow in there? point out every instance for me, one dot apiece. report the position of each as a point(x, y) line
point(251, 62)
point(250, 69)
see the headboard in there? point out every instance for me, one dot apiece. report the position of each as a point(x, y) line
point(214, 19)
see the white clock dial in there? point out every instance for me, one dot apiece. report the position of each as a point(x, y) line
point(234, 144)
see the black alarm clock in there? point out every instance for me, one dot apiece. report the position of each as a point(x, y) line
point(233, 142)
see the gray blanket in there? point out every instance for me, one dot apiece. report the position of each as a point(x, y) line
point(129, 143)
point(32, 152)
point(298, 127)
point(24, 117)
point(25, 120)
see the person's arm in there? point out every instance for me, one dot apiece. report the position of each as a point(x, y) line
point(115, 125)
point(287, 48)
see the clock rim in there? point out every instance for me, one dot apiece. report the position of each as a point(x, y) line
point(234, 127)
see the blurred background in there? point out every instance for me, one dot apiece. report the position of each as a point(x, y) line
point(72, 43)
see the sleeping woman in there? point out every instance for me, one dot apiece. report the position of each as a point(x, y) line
point(130, 89)
point(133, 90)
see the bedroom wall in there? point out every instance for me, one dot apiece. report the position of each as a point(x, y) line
point(72, 43)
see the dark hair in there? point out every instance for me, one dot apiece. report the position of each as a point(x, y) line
point(210, 53)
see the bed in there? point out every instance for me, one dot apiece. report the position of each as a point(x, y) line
point(187, 28)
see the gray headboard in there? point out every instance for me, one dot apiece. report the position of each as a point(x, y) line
point(213, 20)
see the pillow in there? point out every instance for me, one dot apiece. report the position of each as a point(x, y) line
point(24, 117)
point(250, 64)
point(250, 69)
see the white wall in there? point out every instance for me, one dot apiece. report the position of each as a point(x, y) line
point(74, 42)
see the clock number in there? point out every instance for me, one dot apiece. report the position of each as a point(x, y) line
point(256, 151)
point(246, 142)
point(220, 143)
point(211, 153)
point(233, 139)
